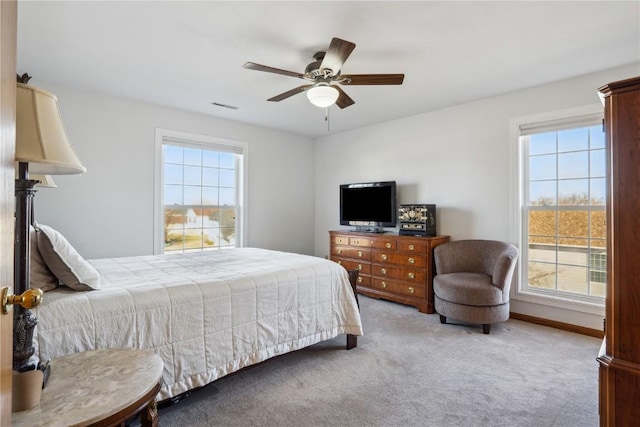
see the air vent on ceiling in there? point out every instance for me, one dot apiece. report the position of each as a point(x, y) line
point(231, 107)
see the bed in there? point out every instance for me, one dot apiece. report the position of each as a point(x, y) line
point(206, 314)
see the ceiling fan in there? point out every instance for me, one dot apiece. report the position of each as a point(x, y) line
point(325, 70)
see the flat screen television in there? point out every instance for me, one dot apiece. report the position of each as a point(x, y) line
point(368, 206)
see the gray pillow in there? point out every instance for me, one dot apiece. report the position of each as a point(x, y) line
point(65, 262)
point(40, 277)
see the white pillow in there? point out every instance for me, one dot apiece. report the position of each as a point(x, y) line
point(40, 276)
point(65, 262)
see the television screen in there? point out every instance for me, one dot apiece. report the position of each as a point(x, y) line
point(370, 204)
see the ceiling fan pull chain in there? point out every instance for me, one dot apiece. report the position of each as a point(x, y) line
point(326, 119)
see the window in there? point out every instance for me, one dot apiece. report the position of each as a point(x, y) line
point(199, 192)
point(562, 208)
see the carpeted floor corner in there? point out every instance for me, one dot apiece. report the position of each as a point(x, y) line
point(410, 370)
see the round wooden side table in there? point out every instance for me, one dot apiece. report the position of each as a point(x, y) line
point(98, 388)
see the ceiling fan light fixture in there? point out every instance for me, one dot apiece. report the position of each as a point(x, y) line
point(323, 95)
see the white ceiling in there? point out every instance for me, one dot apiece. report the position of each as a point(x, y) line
point(188, 54)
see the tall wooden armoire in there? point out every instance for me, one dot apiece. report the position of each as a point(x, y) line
point(619, 357)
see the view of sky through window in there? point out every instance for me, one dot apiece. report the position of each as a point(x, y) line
point(565, 165)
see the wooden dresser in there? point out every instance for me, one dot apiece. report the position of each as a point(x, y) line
point(620, 355)
point(393, 267)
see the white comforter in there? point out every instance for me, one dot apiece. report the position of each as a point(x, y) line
point(206, 314)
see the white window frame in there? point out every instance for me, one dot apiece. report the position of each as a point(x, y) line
point(209, 143)
point(588, 113)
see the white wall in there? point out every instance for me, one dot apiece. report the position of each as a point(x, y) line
point(108, 211)
point(457, 158)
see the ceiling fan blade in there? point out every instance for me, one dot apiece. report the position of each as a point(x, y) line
point(289, 93)
point(338, 52)
point(372, 79)
point(343, 100)
point(258, 67)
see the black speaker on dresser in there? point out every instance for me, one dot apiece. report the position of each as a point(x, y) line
point(417, 220)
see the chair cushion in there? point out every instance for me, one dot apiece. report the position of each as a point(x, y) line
point(468, 288)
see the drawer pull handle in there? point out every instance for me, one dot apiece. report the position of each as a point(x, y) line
point(384, 257)
point(359, 254)
point(388, 245)
point(383, 271)
point(412, 276)
point(356, 242)
point(412, 291)
point(412, 248)
point(359, 266)
point(340, 262)
point(339, 251)
point(359, 279)
point(384, 285)
point(412, 261)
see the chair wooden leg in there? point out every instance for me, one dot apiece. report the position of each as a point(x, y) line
point(443, 319)
point(486, 328)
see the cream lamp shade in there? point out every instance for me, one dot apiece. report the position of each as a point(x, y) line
point(322, 95)
point(41, 140)
point(46, 181)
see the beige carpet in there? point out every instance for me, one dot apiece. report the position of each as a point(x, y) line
point(409, 370)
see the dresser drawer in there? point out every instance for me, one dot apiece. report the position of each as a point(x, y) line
point(351, 252)
point(364, 280)
point(349, 264)
point(362, 242)
point(407, 260)
point(385, 243)
point(404, 274)
point(339, 240)
point(417, 247)
point(416, 291)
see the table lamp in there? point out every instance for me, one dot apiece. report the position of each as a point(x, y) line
point(42, 147)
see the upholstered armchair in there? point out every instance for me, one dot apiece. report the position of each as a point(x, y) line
point(472, 281)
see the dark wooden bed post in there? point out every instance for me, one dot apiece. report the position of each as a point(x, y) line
point(352, 340)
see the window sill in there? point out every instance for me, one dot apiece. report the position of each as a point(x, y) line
point(561, 302)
